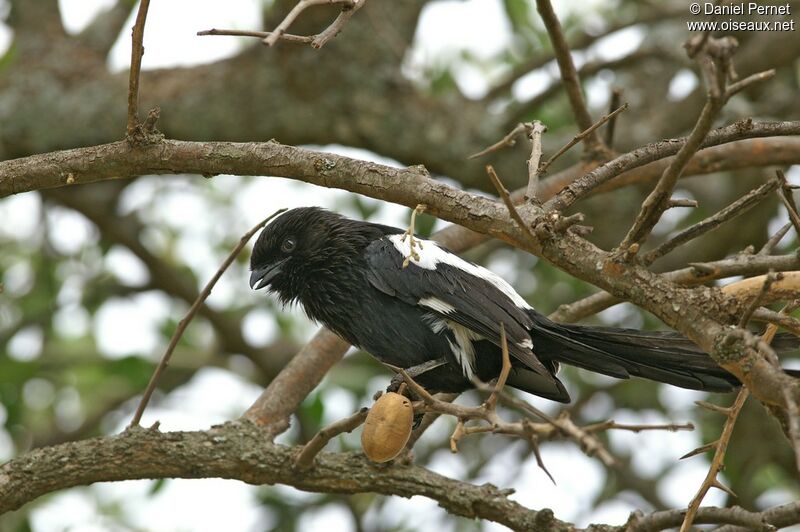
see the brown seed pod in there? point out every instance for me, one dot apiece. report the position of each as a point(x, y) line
point(387, 427)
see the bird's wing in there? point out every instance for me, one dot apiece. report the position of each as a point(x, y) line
point(455, 290)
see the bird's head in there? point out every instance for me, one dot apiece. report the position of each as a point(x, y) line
point(300, 247)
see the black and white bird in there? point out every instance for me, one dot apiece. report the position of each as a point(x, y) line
point(437, 315)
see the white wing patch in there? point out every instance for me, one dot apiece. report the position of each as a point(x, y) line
point(462, 348)
point(436, 304)
point(430, 255)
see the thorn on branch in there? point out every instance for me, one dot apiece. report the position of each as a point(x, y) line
point(774, 240)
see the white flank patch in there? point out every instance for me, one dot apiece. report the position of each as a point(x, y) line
point(526, 343)
point(436, 324)
point(436, 304)
point(430, 255)
point(463, 348)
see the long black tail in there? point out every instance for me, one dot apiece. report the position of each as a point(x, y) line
point(665, 357)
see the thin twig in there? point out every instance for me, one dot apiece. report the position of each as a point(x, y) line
point(735, 209)
point(301, 6)
point(721, 444)
point(509, 140)
point(176, 336)
point(616, 99)
point(582, 135)
point(613, 425)
point(491, 402)
point(601, 177)
point(778, 318)
point(305, 458)
point(137, 51)
point(568, 73)
point(288, 37)
point(681, 202)
point(788, 200)
point(774, 240)
point(740, 85)
point(770, 278)
point(535, 133)
point(322, 38)
point(713, 59)
point(720, 447)
point(270, 38)
point(506, 197)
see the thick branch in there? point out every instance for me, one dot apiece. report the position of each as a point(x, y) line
point(239, 451)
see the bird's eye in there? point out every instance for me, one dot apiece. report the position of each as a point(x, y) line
point(288, 245)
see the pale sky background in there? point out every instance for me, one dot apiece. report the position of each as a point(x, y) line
point(214, 396)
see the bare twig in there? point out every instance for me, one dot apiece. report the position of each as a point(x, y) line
point(655, 204)
point(270, 38)
point(740, 85)
point(613, 425)
point(333, 29)
point(681, 202)
point(302, 5)
point(288, 37)
point(582, 135)
point(788, 200)
point(737, 208)
point(597, 179)
point(720, 446)
point(509, 140)
point(176, 336)
point(535, 133)
point(770, 278)
point(713, 57)
point(774, 240)
point(137, 51)
point(512, 209)
point(616, 99)
point(778, 318)
point(305, 458)
point(491, 402)
point(568, 74)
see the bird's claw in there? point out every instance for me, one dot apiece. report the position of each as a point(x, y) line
point(412, 241)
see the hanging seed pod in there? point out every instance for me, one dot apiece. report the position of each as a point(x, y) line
point(387, 427)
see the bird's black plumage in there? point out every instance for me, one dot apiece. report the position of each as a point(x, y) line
point(358, 279)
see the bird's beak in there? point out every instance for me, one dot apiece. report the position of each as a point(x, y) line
point(261, 277)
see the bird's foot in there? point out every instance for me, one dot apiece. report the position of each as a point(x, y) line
point(412, 241)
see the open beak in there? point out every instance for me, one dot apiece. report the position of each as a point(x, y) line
point(261, 277)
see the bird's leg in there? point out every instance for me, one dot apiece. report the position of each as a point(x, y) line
point(413, 242)
point(398, 381)
point(414, 372)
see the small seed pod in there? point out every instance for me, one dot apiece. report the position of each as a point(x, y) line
point(387, 427)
